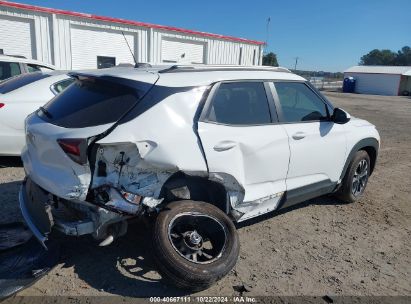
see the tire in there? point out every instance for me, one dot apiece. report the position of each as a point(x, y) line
point(211, 223)
point(348, 192)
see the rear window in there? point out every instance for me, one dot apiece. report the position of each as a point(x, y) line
point(20, 81)
point(92, 102)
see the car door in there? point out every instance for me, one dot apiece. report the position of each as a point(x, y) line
point(317, 144)
point(241, 137)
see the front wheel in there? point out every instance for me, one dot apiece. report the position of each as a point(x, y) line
point(195, 244)
point(356, 178)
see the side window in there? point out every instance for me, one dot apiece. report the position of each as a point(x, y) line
point(9, 69)
point(33, 68)
point(240, 103)
point(59, 87)
point(300, 103)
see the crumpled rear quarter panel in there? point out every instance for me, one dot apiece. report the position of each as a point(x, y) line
point(162, 140)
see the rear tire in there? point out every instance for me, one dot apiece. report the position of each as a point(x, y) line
point(182, 235)
point(356, 178)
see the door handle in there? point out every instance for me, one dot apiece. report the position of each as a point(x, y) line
point(224, 145)
point(299, 135)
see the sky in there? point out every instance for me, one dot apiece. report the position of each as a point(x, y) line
point(326, 35)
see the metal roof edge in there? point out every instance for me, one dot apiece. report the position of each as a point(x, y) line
point(379, 69)
point(124, 21)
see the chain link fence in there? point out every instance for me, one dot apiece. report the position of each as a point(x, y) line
point(327, 84)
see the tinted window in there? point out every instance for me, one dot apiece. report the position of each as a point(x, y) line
point(20, 81)
point(9, 69)
point(62, 85)
point(33, 68)
point(91, 102)
point(240, 103)
point(299, 103)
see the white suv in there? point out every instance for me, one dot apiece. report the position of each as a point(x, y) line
point(11, 66)
point(199, 147)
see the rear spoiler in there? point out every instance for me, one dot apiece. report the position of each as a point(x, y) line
point(135, 84)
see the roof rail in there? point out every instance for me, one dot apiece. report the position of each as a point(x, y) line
point(212, 68)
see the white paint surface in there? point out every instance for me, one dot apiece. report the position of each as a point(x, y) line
point(317, 154)
point(256, 156)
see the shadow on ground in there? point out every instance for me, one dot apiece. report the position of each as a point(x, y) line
point(10, 161)
point(125, 268)
point(9, 203)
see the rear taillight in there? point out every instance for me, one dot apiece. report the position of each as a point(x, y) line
point(75, 148)
point(1, 105)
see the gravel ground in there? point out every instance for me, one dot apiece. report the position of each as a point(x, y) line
point(321, 247)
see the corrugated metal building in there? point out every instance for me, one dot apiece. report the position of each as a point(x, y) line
point(73, 40)
point(381, 80)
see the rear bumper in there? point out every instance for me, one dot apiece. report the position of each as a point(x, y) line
point(40, 236)
point(42, 214)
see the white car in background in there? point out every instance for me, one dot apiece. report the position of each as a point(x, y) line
point(11, 66)
point(20, 96)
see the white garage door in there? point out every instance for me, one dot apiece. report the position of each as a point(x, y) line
point(15, 36)
point(183, 52)
point(378, 84)
point(89, 43)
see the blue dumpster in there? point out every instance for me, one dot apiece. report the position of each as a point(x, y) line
point(349, 85)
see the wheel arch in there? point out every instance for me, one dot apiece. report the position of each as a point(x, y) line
point(369, 145)
point(372, 153)
point(181, 186)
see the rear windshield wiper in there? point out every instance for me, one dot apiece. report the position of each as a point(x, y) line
point(47, 113)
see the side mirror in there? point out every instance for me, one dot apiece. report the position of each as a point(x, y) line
point(340, 116)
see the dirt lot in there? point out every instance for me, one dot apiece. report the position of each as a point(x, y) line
point(321, 247)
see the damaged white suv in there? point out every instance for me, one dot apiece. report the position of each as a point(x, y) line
point(200, 147)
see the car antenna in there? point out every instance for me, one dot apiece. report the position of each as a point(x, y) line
point(132, 54)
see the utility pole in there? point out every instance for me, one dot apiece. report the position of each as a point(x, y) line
point(296, 62)
point(267, 34)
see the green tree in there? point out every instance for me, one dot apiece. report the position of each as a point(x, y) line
point(404, 56)
point(379, 57)
point(270, 59)
point(387, 57)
